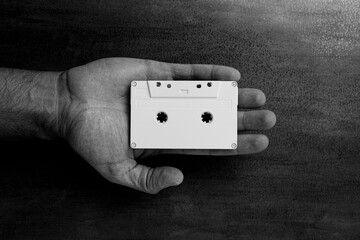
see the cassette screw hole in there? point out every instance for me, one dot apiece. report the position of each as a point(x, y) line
point(169, 86)
point(207, 117)
point(158, 84)
point(162, 117)
point(198, 86)
point(209, 84)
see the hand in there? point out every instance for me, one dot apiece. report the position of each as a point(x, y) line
point(94, 117)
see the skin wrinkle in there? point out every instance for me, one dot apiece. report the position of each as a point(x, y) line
point(212, 72)
point(147, 69)
point(191, 72)
point(147, 179)
point(38, 95)
point(67, 100)
point(244, 120)
point(120, 174)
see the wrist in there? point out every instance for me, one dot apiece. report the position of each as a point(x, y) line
point(63, 105)
point(46, 99)
point(28, 103)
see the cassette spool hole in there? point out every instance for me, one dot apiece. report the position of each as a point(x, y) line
point(207, 117)
point(162, 117)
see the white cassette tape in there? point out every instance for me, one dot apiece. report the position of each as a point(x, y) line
point(184, 114)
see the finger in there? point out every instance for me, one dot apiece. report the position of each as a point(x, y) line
point(150, 180)
point(204, 72)
point(251, 98)
point(247, 144)
point(161, 70)
point(256, 120)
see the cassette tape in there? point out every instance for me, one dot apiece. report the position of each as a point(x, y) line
point(183, 114)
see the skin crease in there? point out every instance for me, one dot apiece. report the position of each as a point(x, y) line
point(94, 117)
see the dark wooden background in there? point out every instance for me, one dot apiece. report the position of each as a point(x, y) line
point(304, 54)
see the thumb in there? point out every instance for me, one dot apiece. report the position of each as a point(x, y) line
point(153, 180)
point(131, 174)
point(150, 180)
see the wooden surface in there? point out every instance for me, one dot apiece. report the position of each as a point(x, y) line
point(305, 55)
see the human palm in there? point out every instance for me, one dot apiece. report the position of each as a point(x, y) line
point(96, 118)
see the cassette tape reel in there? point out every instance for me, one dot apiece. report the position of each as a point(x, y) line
point(183, 114)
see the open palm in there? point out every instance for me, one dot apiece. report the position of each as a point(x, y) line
point(95, 118)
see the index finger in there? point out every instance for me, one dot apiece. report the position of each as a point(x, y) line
point(203, 72)
point(177, 71)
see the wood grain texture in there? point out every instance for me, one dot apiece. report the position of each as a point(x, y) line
point(305, 55)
